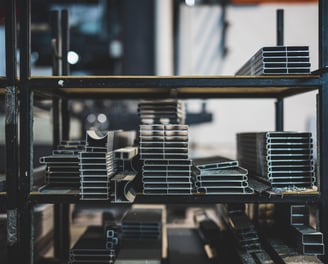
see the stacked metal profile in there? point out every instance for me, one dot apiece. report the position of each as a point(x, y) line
point(165, 151)
point(141, 237)
point(219, 175)
point(112, 241)
point(244, 231)
point(284, 159)
point(91, 248)
point(97, 165)
point(168, 111)
point(122, 182)
point(308, 240)
point(278, 60)
point(62, 167)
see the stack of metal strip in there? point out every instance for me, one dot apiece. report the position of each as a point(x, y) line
point(284, 159)
point(219, 175)
point(141, 237)
point(142, 224)
point(308, 240)
point(62, 167)
point(278, 60)
point(165, 151)
point(91, 248)
point(97, 165)
point(246, 238)
point(168, 111)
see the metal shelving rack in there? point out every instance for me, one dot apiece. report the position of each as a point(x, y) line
point(20, 197)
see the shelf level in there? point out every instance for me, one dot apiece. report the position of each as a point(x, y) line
point(126, 87)
point(74, 197)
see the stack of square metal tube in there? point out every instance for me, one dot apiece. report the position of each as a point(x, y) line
point(162, 111)
point(141, 237)
point(278, 60)
point(97, 165)
point(309, 241)
point(218, 175)
point(112, 241)
point(165, 152)
point(62, 167)
point(283, 159)
point(91, 248)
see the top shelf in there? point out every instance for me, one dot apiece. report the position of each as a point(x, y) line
point(131, 87)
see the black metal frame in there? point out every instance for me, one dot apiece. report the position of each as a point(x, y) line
point(66, 88)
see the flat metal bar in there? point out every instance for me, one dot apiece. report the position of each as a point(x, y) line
point(26, 136)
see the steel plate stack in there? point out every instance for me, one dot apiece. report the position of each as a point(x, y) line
point(244, 232)
point(141, 237)
point(165, 151)
point(284, 159)
point(278, 60)
point(218, 175)
point(97, 165)
point(167, 111)
point(91, 248)
point(62, 167)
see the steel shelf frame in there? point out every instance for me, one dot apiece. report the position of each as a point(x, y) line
point(120, 87)
point(36, 198)
point(123, 87)
point(11, 131)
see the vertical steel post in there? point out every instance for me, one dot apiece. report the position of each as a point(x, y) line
point(279, 105)
point(59, 26)
point(65, 41)
point(323, 122)
point(26, 253)
point(11, 131)
point(65, 117)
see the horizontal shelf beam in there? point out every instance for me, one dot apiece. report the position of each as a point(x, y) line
point(176, 86)
point(36, 197)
